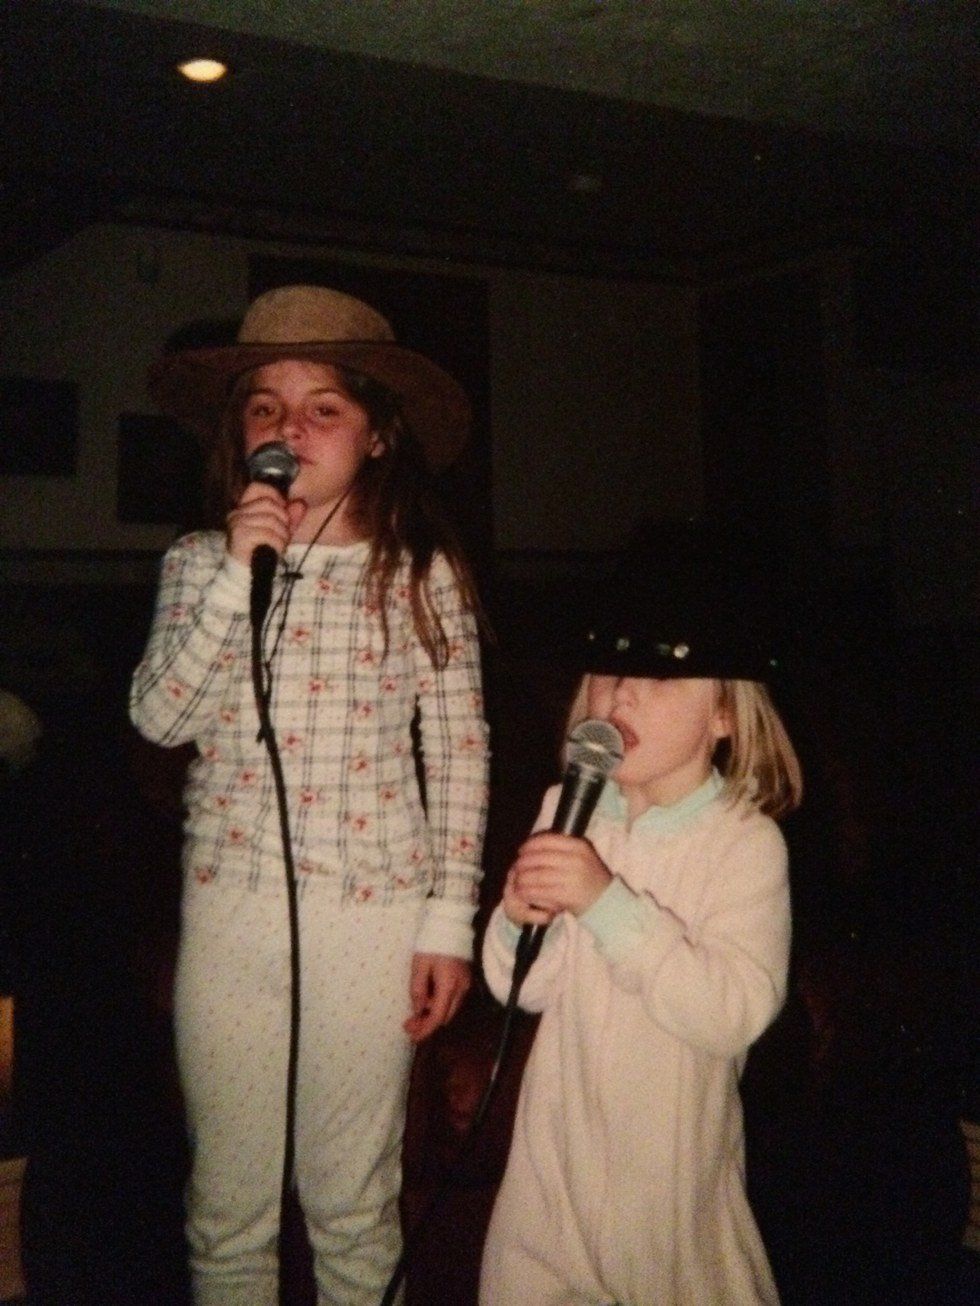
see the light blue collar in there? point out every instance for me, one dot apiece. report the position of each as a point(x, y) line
point(612, 805)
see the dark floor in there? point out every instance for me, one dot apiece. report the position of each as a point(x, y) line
point(858, 1181)
point(859, 1195)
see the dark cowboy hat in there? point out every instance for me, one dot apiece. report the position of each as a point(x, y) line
point(684, 601)
point(323, 326)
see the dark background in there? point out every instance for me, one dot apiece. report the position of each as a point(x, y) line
point(853, 1100)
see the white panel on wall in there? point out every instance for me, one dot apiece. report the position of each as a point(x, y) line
point(593, 408)
point(96, 311)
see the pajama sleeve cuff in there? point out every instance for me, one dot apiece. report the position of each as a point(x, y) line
point(619, 920)
point(508, 933)
point(446, 928)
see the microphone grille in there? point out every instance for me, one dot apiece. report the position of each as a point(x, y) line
point(595, 745)
point(273, 463)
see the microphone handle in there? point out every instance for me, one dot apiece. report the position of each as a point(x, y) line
point(264, 560)
point(579, 794)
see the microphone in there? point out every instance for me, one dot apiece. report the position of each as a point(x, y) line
point(593, 750)
point(275, 464)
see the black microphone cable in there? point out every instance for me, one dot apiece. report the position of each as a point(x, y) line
point(593, 751)
point(468, 1141)
point(262, 687)
point(274, 464)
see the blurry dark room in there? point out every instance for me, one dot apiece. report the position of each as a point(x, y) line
point(693, 261)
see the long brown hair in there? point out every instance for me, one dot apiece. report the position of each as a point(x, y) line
point(394, 499)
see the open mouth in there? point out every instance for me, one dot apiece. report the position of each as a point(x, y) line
point(630, 739)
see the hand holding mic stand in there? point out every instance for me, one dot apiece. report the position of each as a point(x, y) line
point(593, 751)
point(274, 464)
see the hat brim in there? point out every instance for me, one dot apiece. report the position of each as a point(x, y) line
point(672, 657)
point(192, 386)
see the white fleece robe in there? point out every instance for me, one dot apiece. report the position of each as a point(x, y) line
point(625, 1180)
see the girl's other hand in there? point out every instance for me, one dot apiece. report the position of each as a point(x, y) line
point(553, 873)
point(261, 516)
point(437, 988)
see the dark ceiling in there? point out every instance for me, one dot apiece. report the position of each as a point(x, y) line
point(306, 144)
point(904, 71)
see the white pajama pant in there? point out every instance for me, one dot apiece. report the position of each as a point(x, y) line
point(232, 1008)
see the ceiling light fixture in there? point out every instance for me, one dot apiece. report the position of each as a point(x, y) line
point(202, 70)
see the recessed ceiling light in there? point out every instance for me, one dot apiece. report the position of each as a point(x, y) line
point(202, 70)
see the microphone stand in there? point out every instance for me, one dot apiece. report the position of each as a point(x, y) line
point(263, 692)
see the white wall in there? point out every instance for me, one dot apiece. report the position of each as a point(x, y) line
point(593, 385)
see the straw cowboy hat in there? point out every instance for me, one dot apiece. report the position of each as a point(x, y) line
point(322, 326)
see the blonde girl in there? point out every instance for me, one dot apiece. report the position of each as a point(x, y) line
point(665, 957)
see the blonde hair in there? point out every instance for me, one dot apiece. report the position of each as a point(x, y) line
point(756, 759)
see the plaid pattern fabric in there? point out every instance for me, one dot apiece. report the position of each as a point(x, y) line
point(341, 708)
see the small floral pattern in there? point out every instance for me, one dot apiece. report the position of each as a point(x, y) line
point(342, 704)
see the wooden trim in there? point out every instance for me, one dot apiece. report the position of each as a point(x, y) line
point(6, 1048)
point(11, 1271)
